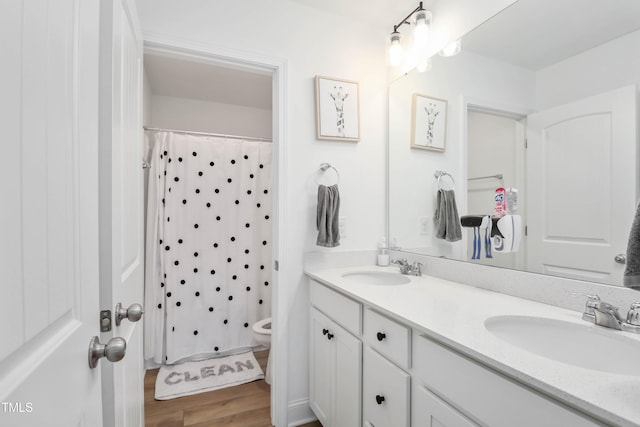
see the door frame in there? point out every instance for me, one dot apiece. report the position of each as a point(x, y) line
point(516, 112)
point(277, 67)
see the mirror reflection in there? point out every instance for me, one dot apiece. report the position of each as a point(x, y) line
point(541, 106)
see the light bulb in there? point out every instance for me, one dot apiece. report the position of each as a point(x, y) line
point(451, 49)
point(421, 29)
point(395, 50)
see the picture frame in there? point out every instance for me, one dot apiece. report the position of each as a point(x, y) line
point(337, 109)
point(428, 123)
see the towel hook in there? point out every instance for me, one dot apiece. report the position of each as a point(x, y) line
point(324, 167)
point(439, 175)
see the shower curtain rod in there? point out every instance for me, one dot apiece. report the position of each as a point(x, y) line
point(188, 132)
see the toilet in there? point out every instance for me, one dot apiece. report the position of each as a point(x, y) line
point(262, 336)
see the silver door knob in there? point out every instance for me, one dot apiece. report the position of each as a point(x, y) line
point(620, 259)
point(133, 313)
point(114, 350)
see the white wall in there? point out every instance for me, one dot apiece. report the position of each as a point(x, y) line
point(170, 112)
point(606, 67)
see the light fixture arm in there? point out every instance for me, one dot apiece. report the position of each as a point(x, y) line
point(406, 20)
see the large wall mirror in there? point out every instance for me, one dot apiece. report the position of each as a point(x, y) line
point(542, 98)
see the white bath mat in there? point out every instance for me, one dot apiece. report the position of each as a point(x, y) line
point(206, 375)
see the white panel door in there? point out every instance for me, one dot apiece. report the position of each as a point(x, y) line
point(582, 180)
point(49, 245)
point(121, 205)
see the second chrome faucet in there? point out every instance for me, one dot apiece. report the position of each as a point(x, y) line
point(604, 314)
point(405, 268)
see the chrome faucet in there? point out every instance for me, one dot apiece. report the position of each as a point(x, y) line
point(405, 268)
point(604, 314)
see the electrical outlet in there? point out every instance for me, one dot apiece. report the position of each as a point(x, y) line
point(342, 226)
point(424, 225)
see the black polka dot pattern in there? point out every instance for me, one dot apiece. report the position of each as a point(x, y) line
point(215, 197)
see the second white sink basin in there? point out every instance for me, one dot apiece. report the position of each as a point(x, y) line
point(378, 277)
point(590, 347)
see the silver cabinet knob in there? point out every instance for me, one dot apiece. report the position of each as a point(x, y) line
point(114, 350)
point(133, 313)
point(620, 259)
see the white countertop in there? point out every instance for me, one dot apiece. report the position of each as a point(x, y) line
point(454, 314)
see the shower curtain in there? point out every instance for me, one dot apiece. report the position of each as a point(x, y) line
point(208, 253)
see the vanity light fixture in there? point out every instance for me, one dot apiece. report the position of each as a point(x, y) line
point(421, 28)
point(395, 50)
point(421, 24)
point(451, 49)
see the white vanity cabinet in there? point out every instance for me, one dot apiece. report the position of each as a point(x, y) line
point(335, 362)
point(444, 379)
point(375, 370)
point(386, 384)
point(428, 410)
point(385, 392)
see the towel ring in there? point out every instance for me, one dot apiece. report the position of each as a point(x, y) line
point(439, 175)
point(324, 167)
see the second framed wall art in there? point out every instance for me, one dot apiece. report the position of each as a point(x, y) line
point(428, 123)
point(337, 109)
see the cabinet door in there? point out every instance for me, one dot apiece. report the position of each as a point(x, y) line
point(385, 392)
point(321, 355)
point(428, 410)
point(348, 378)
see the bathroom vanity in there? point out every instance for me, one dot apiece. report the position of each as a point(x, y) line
point(432, 352)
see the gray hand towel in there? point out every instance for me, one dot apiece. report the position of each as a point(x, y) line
point(327, 216)
point(447, 222)
point(631, 277)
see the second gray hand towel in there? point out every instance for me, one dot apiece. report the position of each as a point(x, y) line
point(446, 217)
point(327, 216)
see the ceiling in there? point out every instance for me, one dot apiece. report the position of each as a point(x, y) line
point(205, 81)
point(383, 13)
point(537, 33)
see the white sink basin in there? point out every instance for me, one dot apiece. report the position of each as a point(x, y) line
point(587, 346)
point(378, 277)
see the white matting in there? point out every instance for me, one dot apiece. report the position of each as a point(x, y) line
point(206, 375)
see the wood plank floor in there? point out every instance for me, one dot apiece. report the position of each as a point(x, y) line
point(246, 405)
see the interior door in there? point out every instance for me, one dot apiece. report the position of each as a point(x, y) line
point(49, 246)
point(582, 181)
point(121, 205)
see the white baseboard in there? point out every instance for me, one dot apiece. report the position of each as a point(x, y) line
point(299, 412)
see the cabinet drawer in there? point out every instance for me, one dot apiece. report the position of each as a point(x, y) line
point(486, 396)
point(388, 337)
point(428, 410)
point(343, 310)
point(385, 392)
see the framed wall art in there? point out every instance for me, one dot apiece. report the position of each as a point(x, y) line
point(428, 123)
point(337, 109)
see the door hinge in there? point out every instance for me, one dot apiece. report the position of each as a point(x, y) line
point(105, 320)
point(526, 229)
point(526, 143)
point(276, 265)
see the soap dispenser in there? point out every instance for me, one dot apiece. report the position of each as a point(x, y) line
point(383, 252)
